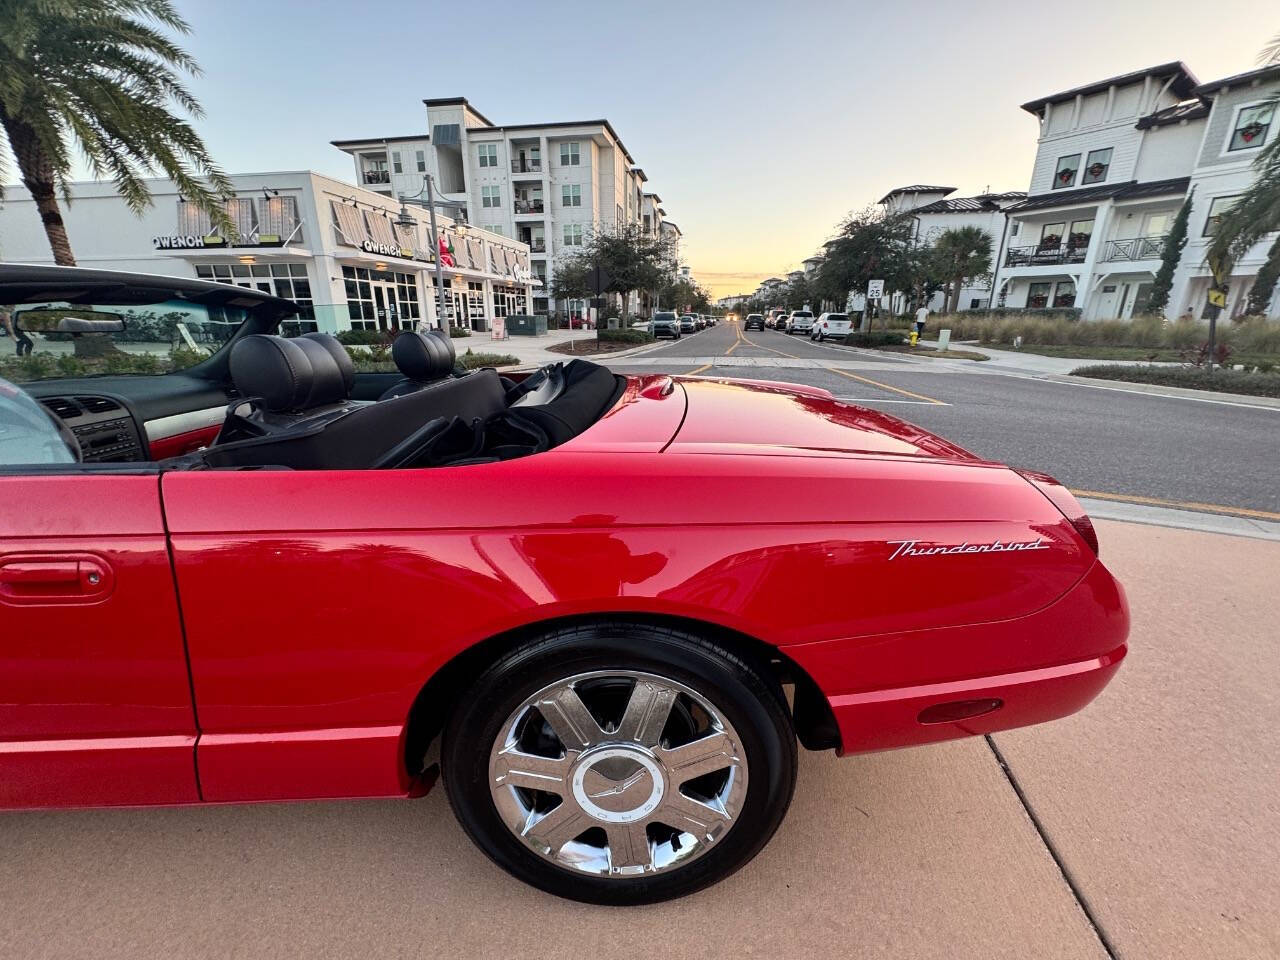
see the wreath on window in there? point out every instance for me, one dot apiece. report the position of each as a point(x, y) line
point(1097, 169)
point(1037, 301)
point(1251, 132)
point(1050, 240)
point(1066, 176)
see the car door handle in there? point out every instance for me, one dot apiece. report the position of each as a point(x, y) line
point(40, 578)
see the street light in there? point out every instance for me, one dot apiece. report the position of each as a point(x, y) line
point(406, 220)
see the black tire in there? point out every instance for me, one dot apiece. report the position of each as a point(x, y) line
point(743, 692)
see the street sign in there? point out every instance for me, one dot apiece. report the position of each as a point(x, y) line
point(1217, 296)
point(598, 280)
point(875, 289)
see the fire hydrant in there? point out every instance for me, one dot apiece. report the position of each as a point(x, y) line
point(914, 337)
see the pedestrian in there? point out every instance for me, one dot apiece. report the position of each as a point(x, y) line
point(922, 317)
point(21, 341)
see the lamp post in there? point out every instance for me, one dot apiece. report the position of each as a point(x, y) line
point(405, 220)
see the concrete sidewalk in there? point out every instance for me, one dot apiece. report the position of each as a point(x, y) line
point(1143, 827)
point(1020, 362)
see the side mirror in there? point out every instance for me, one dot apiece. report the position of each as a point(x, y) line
point(67, 320)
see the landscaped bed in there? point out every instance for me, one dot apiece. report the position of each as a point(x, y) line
point(1195, 378)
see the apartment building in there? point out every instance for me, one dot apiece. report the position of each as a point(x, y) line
point(350, 258)
point(546, 185)
point(1115, 161)
point(934, 211)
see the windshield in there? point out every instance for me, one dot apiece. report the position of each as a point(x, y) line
point(38, 341)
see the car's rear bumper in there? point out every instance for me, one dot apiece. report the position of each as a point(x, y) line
point(885, 719)
point(1039, 667)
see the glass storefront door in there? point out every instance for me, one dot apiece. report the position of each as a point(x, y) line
point(384, 306)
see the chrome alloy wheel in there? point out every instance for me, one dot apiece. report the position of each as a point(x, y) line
point(618, 773)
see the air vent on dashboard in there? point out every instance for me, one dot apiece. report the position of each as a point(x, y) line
point(97, 404)
point(64, 407)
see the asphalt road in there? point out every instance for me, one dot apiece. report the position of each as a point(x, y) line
point(1093, 438)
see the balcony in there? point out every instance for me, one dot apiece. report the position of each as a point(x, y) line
point(1041, 255)
point(377, 176)
point(528, 206)
point(537, 246)
point(1135, 248)
point(526, 165)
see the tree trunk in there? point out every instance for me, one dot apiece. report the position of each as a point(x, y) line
point(955, 294)
point(38, 177)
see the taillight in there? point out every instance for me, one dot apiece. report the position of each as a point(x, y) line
point(1069, 506)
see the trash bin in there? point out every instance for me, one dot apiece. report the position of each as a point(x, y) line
point(525, 325)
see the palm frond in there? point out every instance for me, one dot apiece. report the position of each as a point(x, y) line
point(1271, 52)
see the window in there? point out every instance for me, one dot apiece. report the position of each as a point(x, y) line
point(1252, 126)
point(573, 234)
point(1065, 174)
point(1051, 236)
point(571, 195)
point(1158, 224)
point(488, 154)
point(1078, 236)
point(421, 157)
point(569, 156)
point(395, 161)
point(355, 280)
point(288, 280)
point(490, 197)
point(1096, 166)
point(1038, 296)
point(1218, 207)
point(407, 297)
point(1065, 294)
point(475, 305)
point(495, 228)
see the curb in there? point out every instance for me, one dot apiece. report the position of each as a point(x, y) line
point(1181, 519)
point(1159, 390)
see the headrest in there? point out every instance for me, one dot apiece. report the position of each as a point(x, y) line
point(339, 353)
point(423, 356)
point(296, 374)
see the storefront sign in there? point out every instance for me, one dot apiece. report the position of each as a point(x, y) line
point(187, 242)
point(385, 249)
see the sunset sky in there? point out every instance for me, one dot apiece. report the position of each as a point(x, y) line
point(760, 124)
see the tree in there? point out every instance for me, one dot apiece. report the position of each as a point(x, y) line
point(100, 76)
point(1158, 301)
point(961, 254)
point(1265, 283)
point(798, 294)
point(870, 245)
point(630, 258)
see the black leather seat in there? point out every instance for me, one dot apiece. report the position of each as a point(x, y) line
point(366, 436)
point(285, 383)
point(422, 359)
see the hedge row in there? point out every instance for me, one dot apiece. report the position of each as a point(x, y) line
point(1195, 378)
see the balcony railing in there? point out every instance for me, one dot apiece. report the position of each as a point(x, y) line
point(377, 176)
point(537, 246)
point(526, 165)
point(529, 206)
point(1135, 248)
point(1045, 255)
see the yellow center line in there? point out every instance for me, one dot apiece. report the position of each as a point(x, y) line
point(1178, 504)
point(854, 376)
point(694, 373)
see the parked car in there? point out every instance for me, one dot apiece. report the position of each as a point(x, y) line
point(665, 324)
point(701, 321)
point(754, 321)
point(830, 325)
point(800, 321)
point(614, 695)
point(688, 323)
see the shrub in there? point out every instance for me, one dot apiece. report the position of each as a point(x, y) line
point(473, 361)
point(456, 332)
point(1257, 384)
point(876, 338)
point(180, 358)
point(361, 337)
point(623, 336)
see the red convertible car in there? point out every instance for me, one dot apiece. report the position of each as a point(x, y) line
point(233, 568)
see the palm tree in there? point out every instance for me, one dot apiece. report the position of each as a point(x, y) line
point(101, 76)
point(1258, 211)
point(962, 253)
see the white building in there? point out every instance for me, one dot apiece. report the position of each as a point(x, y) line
point(547, 185)
point(934, 212)
point(340, 251)
point(1116, 159)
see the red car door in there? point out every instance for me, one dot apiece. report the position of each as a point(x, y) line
point(95, 697)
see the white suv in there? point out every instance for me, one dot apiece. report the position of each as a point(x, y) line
point(830, 325)
point(800, 321)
